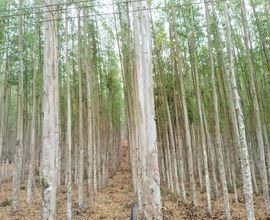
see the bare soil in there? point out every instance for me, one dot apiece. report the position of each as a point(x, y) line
point(115, 200)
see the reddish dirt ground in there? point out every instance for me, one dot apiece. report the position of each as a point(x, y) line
point(115, 200)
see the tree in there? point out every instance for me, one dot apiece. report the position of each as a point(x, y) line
point(50, 114)
point(20, 126)
point(243, 150)
point(34, 118)
point(255, 107)
point(81, 139)
point(69, 137)
point(216, 118)
point(150, 203)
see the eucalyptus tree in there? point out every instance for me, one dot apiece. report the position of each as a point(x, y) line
point(243, 149)
point(181, 87)
point(164, 96)
point(4, 94)
point(33, 141)
point(50, 128)
point(20, 126)
point(204, 98)
point(130, 94)
point(194, 66)
point(150, 203)
point(255, 106)
point(69, 135)
point(87, 67)
point(216, 116)
point(81, 136)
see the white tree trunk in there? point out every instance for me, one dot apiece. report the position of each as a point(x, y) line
point(69, 137)
point(50, 132)
point(151, 203)
point(243, 149)
point(255, 107)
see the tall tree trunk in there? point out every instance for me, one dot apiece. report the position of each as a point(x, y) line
point(69, 138)
point(19, 140)
point(161, 81)
point(89, 110)
point(50, 113)
point(243, 148)
point(151, 203)
point(194, 63)
point(5, 93)
point(185, 111)
point(216, 119)
point(33, 122)
point(57, 86)
point(81, 136)
point(255, 107)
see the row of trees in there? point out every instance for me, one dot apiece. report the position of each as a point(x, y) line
point(61, 111)
point(214, 82)
point(188, 82)
point(211, 71)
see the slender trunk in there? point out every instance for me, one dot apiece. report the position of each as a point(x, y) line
point(69, 138)
point(267, 149)
point(57, 104)
point(89, 111)
point(5, 93)
point(33, 122)
point(185, 111)
point(221, 166)
point(201, 113)
point(255, 108)
point(243, 149)
point(19, 140)
point(81, 139)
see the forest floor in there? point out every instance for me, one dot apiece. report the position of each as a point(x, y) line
point(115, 200)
